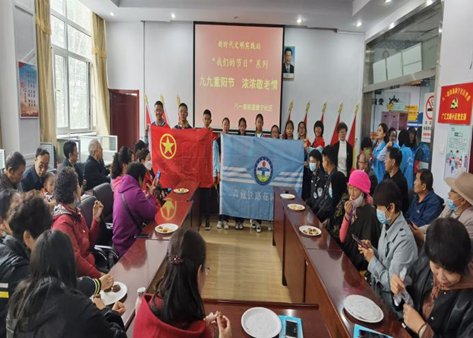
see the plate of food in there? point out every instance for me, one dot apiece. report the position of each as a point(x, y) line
point(114, 294)
point(166, 228)
point(181, 190)
point(261, 322)
point(296, 207)
point(287, 196)
point(310, 230)
point(363, 309)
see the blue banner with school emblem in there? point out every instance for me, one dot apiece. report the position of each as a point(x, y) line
point(251, 167)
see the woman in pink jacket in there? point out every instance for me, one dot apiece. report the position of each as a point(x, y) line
point(131, 208)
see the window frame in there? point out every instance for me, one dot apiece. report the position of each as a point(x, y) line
point(67, 54)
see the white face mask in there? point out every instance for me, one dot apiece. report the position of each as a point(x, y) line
point(357, 201)
point(148, 165)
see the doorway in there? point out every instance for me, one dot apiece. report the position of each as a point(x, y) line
point(124, 116)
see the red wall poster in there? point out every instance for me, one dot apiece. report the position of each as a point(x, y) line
point(456, 104)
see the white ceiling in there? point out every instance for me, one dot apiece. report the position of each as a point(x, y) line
point(332, 14)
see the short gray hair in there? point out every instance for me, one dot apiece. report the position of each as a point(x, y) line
point(93, 145)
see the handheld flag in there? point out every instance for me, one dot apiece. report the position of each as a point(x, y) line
point(335, 133)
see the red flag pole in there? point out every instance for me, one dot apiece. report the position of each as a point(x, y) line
point(335, 133)
point(351, 137)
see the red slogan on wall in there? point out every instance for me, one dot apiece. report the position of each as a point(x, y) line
point(456, 104)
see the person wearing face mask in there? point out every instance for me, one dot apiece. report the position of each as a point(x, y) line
point(396, 248)
point(68, 219)
point(440, 284)
point(144, 157)
point(132, 208)
point(459, 204)
point(360, 218)
point(334, 189)
point(318, 178)
point(121, 159)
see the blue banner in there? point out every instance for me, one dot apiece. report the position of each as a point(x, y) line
point(251, 167)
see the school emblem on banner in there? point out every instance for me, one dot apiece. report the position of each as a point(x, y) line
point(263, 170)
point(168, 146)
point(251, 167)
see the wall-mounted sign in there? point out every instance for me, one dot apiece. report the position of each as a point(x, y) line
point(456, 104)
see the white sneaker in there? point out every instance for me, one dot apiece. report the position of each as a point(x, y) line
point(225, 225)
point(258, 228)
point(253, 224)
point(219, 225)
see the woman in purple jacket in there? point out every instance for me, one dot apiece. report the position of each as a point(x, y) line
point(131, 208)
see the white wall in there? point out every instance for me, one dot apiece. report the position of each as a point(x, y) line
point(169, 65)
point(456, 57)
point(17, 43)
point(329, 67)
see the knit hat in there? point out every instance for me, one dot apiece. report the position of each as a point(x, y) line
point(360, 179)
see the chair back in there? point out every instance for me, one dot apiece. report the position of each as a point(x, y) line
point(104, 194)
point(87, 208)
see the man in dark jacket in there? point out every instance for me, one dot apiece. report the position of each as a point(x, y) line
point(391, 163)
point(317, 182)
point(72, 157)
point(334, 187)
point(33, 178)
point(95, 172)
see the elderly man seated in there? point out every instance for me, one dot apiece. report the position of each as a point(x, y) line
point(95, 172)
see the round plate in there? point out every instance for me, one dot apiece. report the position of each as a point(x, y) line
point(111, 297)
point(296, 207)
point(261, 322)
point(363, 309)
point(181, 190)
point(166, 228)
point(310, 230)
point(287, 196)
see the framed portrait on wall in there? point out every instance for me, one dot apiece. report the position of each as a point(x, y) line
point(288, 62)
point(29, 96)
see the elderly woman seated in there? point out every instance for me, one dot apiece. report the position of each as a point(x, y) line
point(439, 300)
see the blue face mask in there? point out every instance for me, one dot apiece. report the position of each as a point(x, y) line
point(330, 192)
point(312, 166)
point(451, 205)
point(381, 217)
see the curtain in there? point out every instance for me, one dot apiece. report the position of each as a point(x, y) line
point(102, 105)
point(47, 114)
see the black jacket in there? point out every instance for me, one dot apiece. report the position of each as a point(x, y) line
point(401, 182)
point(317, 184)
point(325, 206)
point(65, 313)
point(76, 167)
point(14, 267)
point(31, 180)
point(349, 164)
point(365, 226)
point(452, 314)
point(95, 173)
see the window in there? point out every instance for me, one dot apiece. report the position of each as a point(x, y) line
point(72, 53)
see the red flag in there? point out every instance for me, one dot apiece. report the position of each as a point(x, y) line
point(335, 133)
point(351, 139)
point(182, 154)
point(147, 114)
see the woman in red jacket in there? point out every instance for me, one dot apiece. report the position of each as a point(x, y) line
point(177, 310)
point(68, 219)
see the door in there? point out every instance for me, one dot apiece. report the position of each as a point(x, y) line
point(124, 116)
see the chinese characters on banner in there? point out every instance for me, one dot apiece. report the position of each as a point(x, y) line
point(28, 79)
point(457, 155)
point(455, 104)
point(429, 100)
